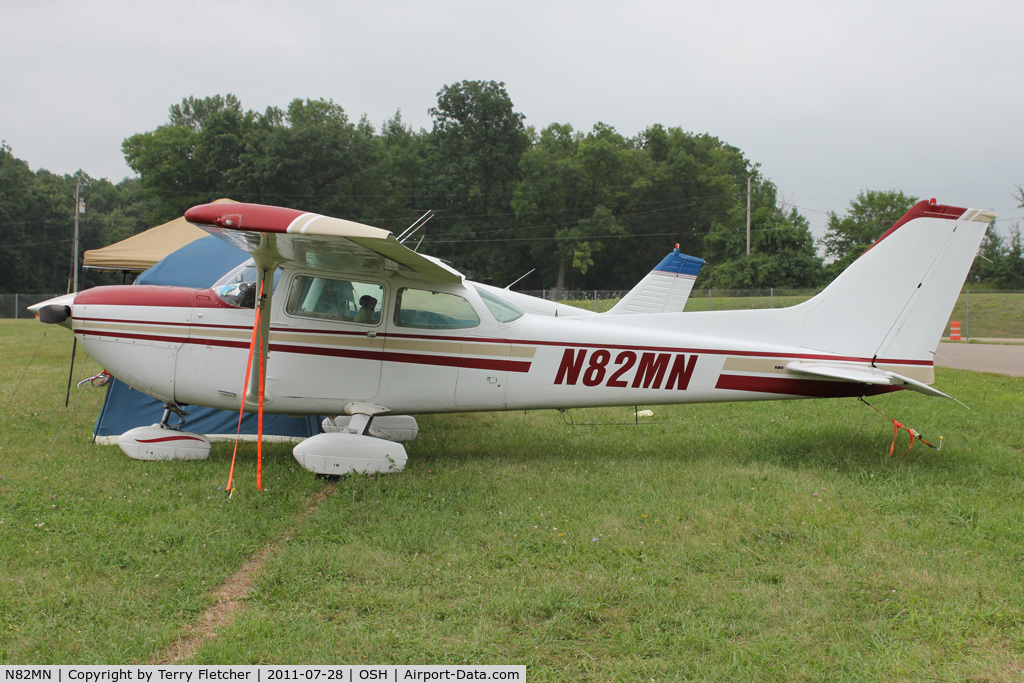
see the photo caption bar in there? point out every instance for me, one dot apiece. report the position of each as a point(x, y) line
point(190, 673)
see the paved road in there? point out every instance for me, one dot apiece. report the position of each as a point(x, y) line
point(1005, 359)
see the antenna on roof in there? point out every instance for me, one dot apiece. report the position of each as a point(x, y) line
point(509, 286)
point(417, 224)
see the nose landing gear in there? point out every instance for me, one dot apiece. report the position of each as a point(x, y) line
point(163, 441)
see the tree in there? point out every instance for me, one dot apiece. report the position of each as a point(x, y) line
point(21, 223)
point(689, 187)
point(190, 160)
point(573, 193)
point(479, 140)
point(321, 159)
point(870, 215)
point(1000, 262)
point(782, 250)
point(401, 175)
point(474, 152)
point(37, 219)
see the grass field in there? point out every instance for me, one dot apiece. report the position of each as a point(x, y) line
point(762, 542)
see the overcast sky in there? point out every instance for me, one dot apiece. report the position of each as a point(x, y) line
point(829, 96)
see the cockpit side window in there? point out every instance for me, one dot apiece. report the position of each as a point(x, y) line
point(335, 299)
point(425, 309)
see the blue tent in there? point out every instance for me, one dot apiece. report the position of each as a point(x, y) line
point(198, 264)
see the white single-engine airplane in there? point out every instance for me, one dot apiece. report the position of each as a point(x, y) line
point(357, 325)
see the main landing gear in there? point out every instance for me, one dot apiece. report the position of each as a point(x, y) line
point(363, 441)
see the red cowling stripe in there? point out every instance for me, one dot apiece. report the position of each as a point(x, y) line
point(150, 295)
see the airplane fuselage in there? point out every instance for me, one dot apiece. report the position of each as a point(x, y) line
point(190, 346)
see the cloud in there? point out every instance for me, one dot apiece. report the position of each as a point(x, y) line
point(829, 98)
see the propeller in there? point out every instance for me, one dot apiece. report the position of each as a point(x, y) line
point(54, 314)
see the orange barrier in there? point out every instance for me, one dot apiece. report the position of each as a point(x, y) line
point(954, 330)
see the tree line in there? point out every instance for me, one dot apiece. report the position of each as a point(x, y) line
point(586, 209)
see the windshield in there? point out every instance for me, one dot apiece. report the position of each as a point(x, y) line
point(503, 311)
point(238, 287)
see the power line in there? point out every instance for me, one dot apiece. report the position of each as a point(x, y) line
point(33, 244)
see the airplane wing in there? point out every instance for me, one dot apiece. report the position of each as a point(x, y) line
point(318, 242)
point(862, 375)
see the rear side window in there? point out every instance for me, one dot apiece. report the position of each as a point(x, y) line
point(433, 310)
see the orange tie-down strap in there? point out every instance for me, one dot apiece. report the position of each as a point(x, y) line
point(896, 427)
point(257, 335)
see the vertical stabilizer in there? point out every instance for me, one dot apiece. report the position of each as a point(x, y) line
point(665, 289)
point(893, 302)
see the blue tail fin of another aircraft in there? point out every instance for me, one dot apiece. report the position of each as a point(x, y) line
point(665, 289)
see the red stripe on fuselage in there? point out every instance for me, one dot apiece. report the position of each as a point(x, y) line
point(381, 355)
point(514, 366)
point(413, 358)
point(460, 362)
point(726, 352)
point(799, 387)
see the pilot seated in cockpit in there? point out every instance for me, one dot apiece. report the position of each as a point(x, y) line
point(366, 305)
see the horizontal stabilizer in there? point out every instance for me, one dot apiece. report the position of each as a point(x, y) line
point(861, 374)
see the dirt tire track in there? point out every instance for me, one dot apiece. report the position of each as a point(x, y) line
point(231, 594)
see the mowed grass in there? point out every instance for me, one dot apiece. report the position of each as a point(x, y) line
point(757, 541)
point(991, 314)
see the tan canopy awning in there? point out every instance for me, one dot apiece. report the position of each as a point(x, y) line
point(139, 252)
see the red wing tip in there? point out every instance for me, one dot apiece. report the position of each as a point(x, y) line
point(204, 213)
point(243, 216)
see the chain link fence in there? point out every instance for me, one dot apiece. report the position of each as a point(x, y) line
point(981, 314)
point(601, 300)
point(16, 305)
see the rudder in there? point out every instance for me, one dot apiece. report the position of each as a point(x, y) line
point(893, 302)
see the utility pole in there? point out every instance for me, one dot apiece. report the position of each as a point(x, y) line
point(79, 208)
point(748, 215)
